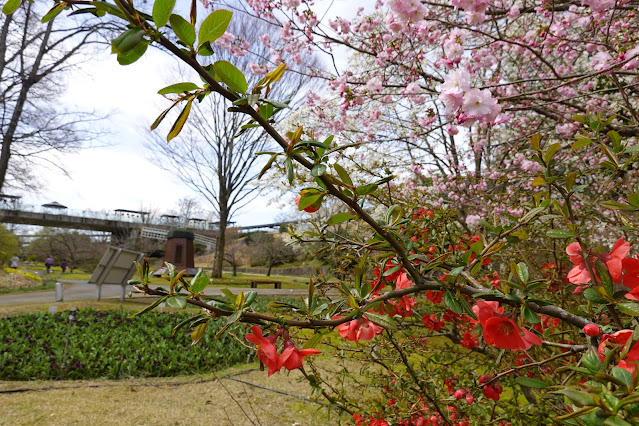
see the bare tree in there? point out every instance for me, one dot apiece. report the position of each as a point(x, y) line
point(33, 60)
point(270, 250)
point(77, 248)
point(234, 253)
point(215, 157)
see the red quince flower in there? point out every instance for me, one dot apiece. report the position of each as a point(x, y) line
point(614, 261)
point(501, 331)
point(432, 323)
point(435, 296)
point(631, 277)
point(618, 338)
point(308, 209)
point(359, 329)
point(292, 357)
point(402, 306)
point(266, 350)
point(485, 310)
point(579, 273)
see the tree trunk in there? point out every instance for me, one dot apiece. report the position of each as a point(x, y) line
point(29, 78)
point(218, 261)
point(235, 269)
point(270, 266)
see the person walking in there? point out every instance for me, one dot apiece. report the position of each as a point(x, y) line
point(64, 265)
point(48, 264)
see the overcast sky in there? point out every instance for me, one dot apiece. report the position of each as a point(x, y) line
point(119, 176)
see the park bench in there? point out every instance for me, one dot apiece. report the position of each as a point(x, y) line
point(277, 284)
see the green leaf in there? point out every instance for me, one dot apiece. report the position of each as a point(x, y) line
point(343, 174)
point(534, 212)
point(623, 375)
point(522, 272)
point(539, 181)
point(366, 189)
point(309, 198)
point(179, 123)
point(552, 150)
point(183, 29)
point(604, 277)
point(162, 10)
point(318, 170)
point(339, 218)
point(535, 141)
point(616, 421)
point(10, 6)
point(615, 137)
point(150, 307)
point(55, 11)
point(629, 308)
point(384, 321)
point(250, 298)
point(205, 50)
point(613, 205)
point(558, 233)
point(530, 315)
point(231, 76)
point(290, 171)
point(277, 104)
point(477, 247)
point(592, 362)
point(134, 54)
point(177, 302)
point(199, 333)
point(127, 40)
point(267, 166)
point(109, 8)
point(214, 26)
point(313, 341)
point(532, 383)
point(581, 399)
point(199, 282)
point(178, 88)
point(185, 322)
point(581, 143)
point(594, 296)
point(452, 303)
point(161, 117)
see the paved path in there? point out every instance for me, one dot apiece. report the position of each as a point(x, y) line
point(81, 290)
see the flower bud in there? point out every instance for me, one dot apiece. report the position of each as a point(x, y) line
point(591, 330)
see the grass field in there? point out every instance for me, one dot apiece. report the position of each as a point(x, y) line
point(235, 397)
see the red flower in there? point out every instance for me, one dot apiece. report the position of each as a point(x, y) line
point(291, 356)
point(579, 273)
point(493, 391)
point(432, 323)
point(614, 261)
point(618, 338)
point(435, 296)
point(403, 305)
point(266, 350)
point(359, 329)
point(501, 331)
point(308, 209)
point(631, 277)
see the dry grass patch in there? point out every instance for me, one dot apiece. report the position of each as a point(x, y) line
point(206, 399)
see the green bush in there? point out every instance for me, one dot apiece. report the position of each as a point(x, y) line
point(108, 344)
